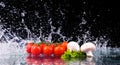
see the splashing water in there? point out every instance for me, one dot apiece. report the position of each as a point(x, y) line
point(11, 41)
point(11, 44)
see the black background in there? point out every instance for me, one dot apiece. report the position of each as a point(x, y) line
point(101, 15)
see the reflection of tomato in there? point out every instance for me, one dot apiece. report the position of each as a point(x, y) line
point(47, 50)
point(36, 49)
point(28, 60)
point(59, 50)
point(28, 47)
point(47, 61)
point(33, 60)
point(64, 44)
point(58, 61)
point(36, 61)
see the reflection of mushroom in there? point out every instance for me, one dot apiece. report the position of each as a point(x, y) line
point(88, 61)
point(88, 48)
point(73, 46)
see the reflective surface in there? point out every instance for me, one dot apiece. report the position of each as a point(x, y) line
point(111, 57)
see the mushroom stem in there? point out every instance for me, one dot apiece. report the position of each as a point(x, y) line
point(89, 54)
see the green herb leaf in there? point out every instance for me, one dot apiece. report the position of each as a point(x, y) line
point(73, 54)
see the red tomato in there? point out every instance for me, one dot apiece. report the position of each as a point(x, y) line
point(36, 49)
point(53, 46)
point(64, 44)
point(28, 47)
point(47, 50)
point(42, 45)
point(59, 50)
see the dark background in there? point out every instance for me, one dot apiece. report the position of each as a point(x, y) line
point(102, 17)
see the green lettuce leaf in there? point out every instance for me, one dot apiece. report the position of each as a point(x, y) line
point(73, 54)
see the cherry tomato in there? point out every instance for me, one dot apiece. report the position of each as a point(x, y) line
point(47, 50)
point(42, 45)
point(28, 47)
point(36, 49)
point(59, 50)
point(64, 44)
point(53, 46)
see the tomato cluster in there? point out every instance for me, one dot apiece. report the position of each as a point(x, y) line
point(47, 49)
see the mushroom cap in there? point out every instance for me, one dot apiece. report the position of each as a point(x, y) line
point(73, 46)
point(89, 46)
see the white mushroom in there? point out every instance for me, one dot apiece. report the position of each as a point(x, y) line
point(88, 48)
point(73, 46)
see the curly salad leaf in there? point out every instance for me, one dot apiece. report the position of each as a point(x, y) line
point(73, 54)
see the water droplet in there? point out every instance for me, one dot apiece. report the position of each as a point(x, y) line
point(2, 4)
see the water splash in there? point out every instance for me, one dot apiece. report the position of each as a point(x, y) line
point(13, 43)
point(10, 43)
point(2, 4)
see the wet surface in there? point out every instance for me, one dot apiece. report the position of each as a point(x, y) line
point(108, 56)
